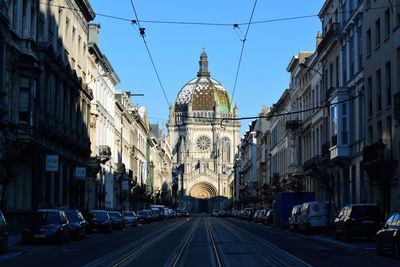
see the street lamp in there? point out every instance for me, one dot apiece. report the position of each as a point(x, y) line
point(305, 66)
point(99, 76)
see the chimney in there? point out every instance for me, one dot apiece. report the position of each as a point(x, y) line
point(94, 33)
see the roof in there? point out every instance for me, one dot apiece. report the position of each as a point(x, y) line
point(203, 93)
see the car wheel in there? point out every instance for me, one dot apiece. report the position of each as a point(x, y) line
point(396, 250)
point(378, 247)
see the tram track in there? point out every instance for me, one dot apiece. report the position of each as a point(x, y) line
point(179, 256)
point(126, 254)
point(265, 249)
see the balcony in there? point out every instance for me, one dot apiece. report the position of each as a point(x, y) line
point(378, 167)
point(312, 164)
point(293, 125)
point(329, 37)
point(340, 150)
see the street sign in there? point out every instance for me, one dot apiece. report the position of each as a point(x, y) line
point(52, 163)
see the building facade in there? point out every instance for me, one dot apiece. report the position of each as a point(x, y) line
point(203, 136)
point(45, 104)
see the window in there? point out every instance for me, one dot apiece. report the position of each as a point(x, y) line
point(378, 90)
point(379, 129)
point(344, 124)
point(369, 90)
point(377, 33)
point(388, 82)
point(24, 100)
point(389, 127)
point(369, 42)
point(359, 47)
point(351, 55)
point(344, 63)
point(334, 124)
point(337, 71)
point(370, 134)
point(398, 12)
point(387, 23)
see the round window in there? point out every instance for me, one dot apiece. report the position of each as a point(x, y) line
point(203, 142)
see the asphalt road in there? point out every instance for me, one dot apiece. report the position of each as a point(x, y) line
point(199, 241)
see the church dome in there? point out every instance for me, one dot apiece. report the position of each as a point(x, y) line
point(203, 92)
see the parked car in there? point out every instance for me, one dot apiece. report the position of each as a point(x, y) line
point(183, 212)
point(362, 220)
point(48, 225)
point(247, 213)
point(215, 212)
point(269, 217)
point(156, 214)
point(388, 238)
point(314, 215)
point(294, 218)
point(144, 216)
point(3, 234)
point(130, 218)
point(77, 224)
point(99, 220)
point(117, 220)
point(259, 215)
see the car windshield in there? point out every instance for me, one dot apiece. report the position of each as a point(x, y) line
point(114, 215)
point(143, 213)
point(46, 218)
point(100, 215)
point(129, 214)
point(72, 216)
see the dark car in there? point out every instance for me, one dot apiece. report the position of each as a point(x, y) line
point(3, 234)
point(130, 218)
point(294, 218)
point(99, 220)
point(144, 216)
point(117, 220)
point(269, 217)
point(388, 238)
point(182, 212)
point(77, 224)
point(48, 225)
point(362, 220)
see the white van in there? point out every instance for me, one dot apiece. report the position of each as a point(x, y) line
point(314, 215)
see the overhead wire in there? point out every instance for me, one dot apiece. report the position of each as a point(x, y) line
point(213, 23)
point(142, 34)
point(242, 49)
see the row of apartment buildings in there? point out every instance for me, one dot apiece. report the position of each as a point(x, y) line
point(68, 137)
point(335, 129)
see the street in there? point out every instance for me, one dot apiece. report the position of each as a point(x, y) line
point(200, 241)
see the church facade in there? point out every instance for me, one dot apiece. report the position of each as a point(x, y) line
point(204, 135)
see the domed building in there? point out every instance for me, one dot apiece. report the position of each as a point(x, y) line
point(204, 140)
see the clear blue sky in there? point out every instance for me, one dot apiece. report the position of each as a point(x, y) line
point(175, 48)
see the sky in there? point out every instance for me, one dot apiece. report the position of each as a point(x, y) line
point(177, 31)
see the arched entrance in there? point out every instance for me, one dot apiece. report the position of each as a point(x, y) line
point(201, 193)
